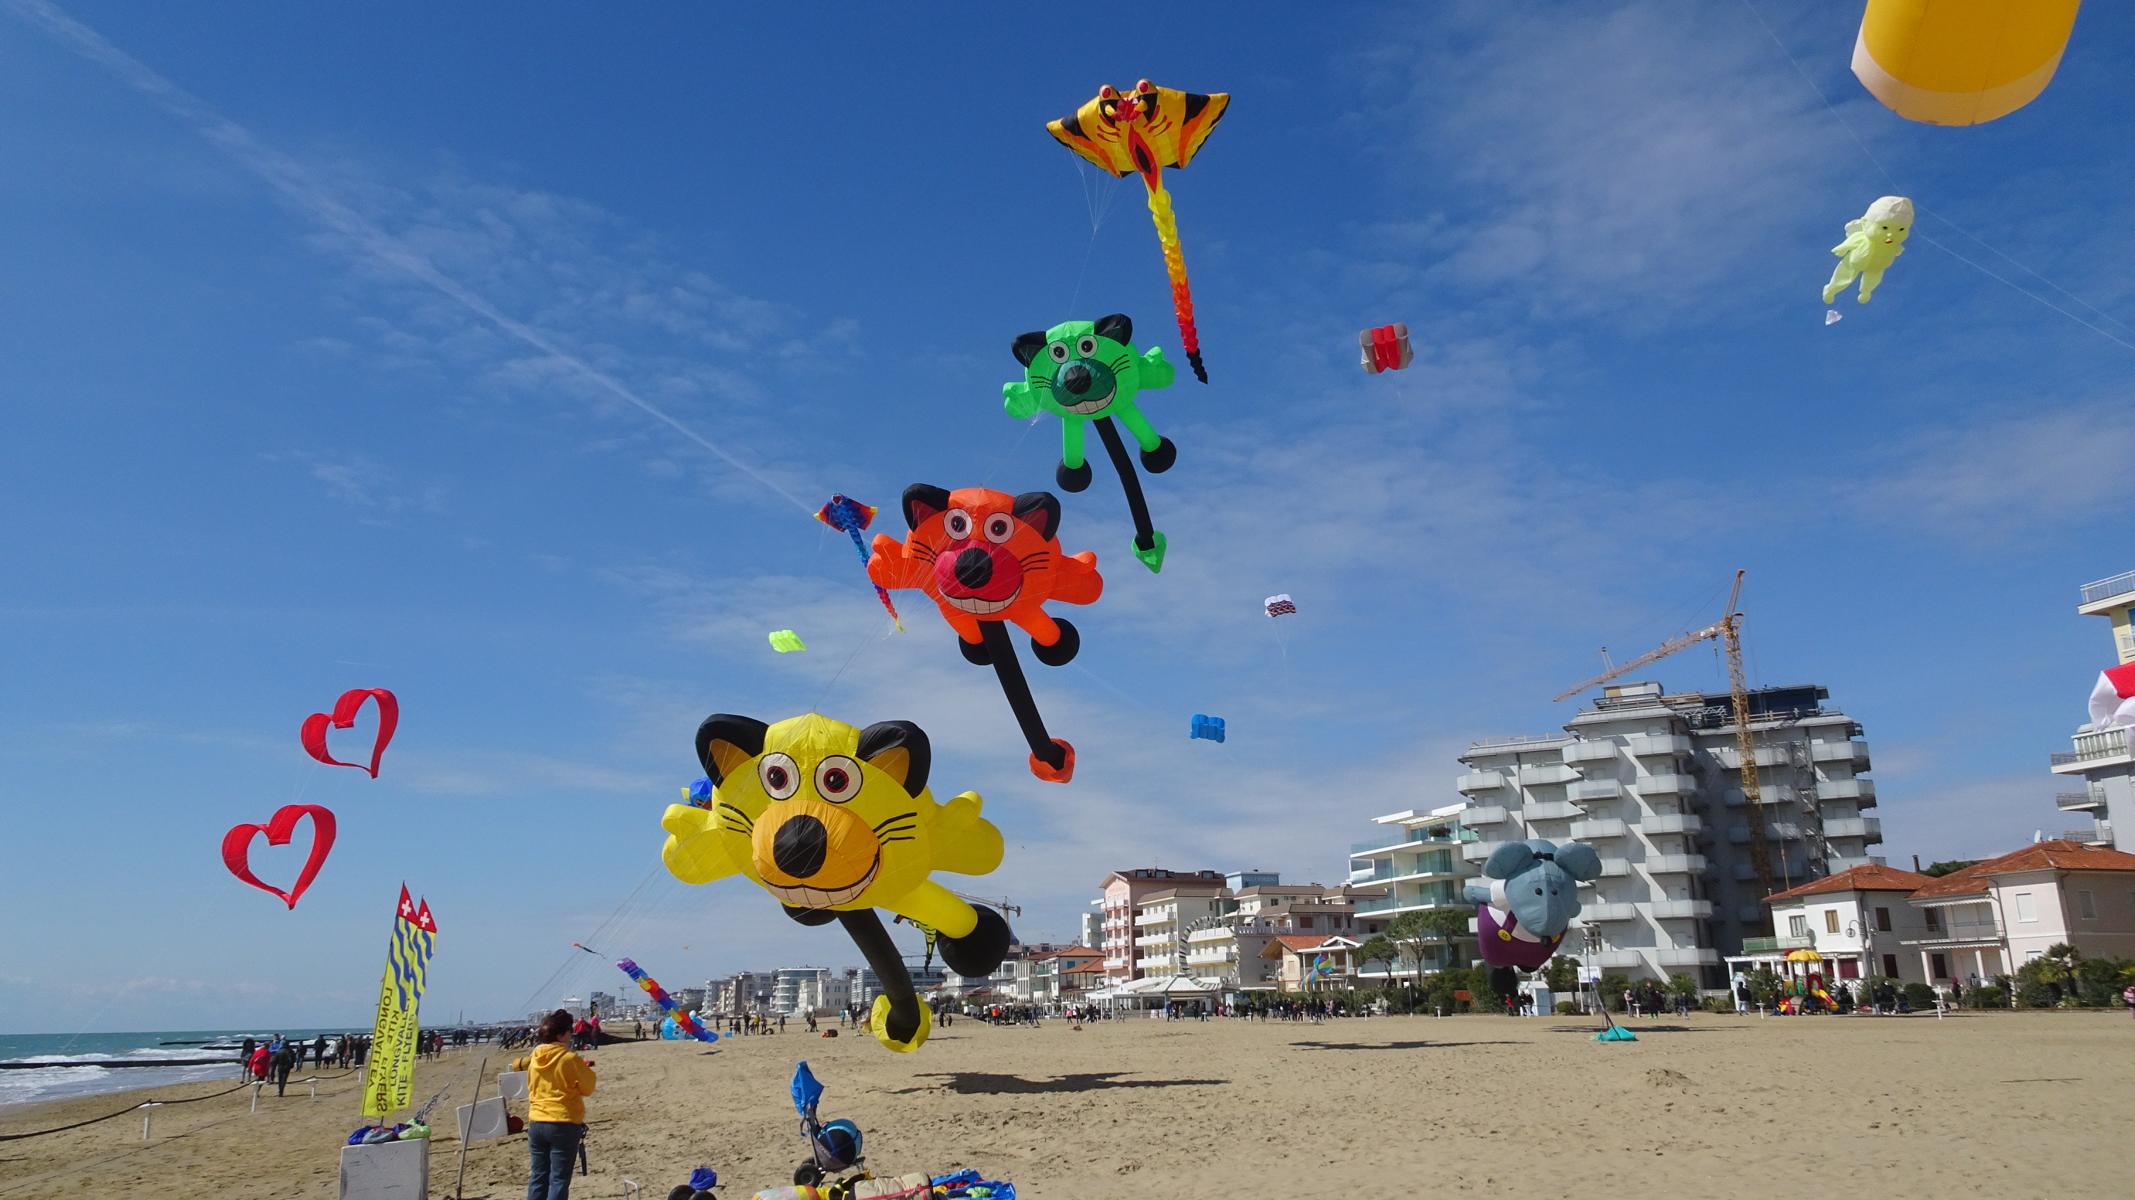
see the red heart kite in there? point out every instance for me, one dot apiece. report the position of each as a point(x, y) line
point(344, 716)
point(237, 847)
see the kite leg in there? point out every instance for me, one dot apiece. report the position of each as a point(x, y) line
point(899, 1020)
point(1050, 758)
point(1149, 543)
point(1182, 297)
point(1073, 474)
point(1841, 275)
point(1157, 451)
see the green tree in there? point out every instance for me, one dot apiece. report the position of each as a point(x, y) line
point(2058, 969)
point(1683, 987)
point(1612, 988)
point(1378, 948)
point(1562, 974)
point(1939, 869)
point(1764, 986)
point(1414, 931)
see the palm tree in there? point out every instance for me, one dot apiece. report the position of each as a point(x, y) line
point(2058, 968)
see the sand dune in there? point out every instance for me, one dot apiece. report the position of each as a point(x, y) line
point(2016, 1105)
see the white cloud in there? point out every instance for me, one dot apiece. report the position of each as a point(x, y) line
point(2004, 474)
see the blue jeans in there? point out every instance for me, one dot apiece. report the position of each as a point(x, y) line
point(553, 1148)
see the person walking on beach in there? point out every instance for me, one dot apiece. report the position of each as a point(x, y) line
point(285, 1061)
point(557, 1084)
point(244, 1057)
point(2127, 997)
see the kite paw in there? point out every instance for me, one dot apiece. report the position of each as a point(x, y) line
point(976, 954)
point(1831, 293)
point(1072, 479)
point(811, 916)
point(974, 652)
point(901, 1036)
point(1152, 555)
point(1050, 773)
point(1159, 460)
point(1060, 653)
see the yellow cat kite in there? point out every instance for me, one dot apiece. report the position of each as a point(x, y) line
point(836, 822)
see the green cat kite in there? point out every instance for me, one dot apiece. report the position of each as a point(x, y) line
point(1087, 373)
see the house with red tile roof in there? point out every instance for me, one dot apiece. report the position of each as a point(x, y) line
point(1854, 923)
point(1311, 962)
point(1992, 917)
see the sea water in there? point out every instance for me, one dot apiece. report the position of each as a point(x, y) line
point(61, 1060)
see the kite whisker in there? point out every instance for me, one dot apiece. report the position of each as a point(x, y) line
point(893, 820)
point(733, 811)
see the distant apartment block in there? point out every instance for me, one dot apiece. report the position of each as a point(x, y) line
point(2098, 766)
point(1418, 863)
point(1651, 781)
point(1122, 893)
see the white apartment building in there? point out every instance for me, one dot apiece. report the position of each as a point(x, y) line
point(1858, 921)
point(1650, 781)
point(743, 991)
point(1992, 917)
point(1418, 863)
point(1161, 922)
point(2099, 762)
point(1228, 949)
point(797, 991)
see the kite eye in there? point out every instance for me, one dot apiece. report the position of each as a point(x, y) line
point(999, 528)
point(1107, 92)
point(1145, 87)
point(837, 779)
point(1059, 351)
point(957, 524)
point(1087, 346)
point(1538, 891)
point(781, 778)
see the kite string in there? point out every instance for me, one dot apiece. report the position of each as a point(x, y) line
point(1897, 188)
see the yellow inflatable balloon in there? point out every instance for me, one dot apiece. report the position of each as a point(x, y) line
point(835, 822)
point(1960, 62)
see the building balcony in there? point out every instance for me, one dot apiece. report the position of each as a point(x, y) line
point(2102, 748)
point(1477, 782)
point(1611, 868)
point(1671, 823)
point(1668, 783)
point(2088, 800)
point(1675, 864)
point(1599, 751)
point(1767, 756)
point(1475, 852)
point(1870, 828)
point(1607, 959)
point(1595, 914)
point(1776, 945)
point(1413, 839)
point(2107, 594)
point(1552, 810)
point(1688, 956)
point(1863, 790)
point(1481, 815)
point(1424, 868)
point(1589, 831)
point(1965, 932)
point(1678, 910)
point(1154, 940)
point(2100, 834)
point(1544, 774)
point(1767, 793)
point(1589, 791)
point(1774, 831)
point(1835, 751)
point(1658, 745)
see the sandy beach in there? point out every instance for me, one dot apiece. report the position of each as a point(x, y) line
point(2004, 1104)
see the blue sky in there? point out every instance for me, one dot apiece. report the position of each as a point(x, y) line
point(324, 334)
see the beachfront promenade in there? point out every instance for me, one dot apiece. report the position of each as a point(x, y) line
point(2007, 1104)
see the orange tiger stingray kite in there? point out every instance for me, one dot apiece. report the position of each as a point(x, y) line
point(988, 558)
point(1142, 133)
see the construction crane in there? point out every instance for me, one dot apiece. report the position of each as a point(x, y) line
point(1728, 631)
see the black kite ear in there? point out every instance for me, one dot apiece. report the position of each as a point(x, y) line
point(921, 501)
point(726, 741)
point(1029, 346)
point(900, 750)
point(1040, 511)
point(1116, 327)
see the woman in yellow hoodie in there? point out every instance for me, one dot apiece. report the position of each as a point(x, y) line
point(557, 1083)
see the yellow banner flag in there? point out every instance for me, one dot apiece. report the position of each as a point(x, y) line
point(389, 1084)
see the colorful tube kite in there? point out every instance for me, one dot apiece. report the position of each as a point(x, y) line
point(1960, 62)
point(835, 822)
point(1086, 373)
point(986, 559)
point(1386, 348)
point(850, 517)
point(675, 1012)
point(1143, 133)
